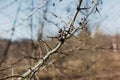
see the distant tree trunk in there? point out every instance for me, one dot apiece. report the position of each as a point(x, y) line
point(114, 44)
point(40, 33)
point(32, 36)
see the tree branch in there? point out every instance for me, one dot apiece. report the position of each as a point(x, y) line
point(43, 59)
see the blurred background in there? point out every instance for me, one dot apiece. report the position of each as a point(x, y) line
point(88, 55)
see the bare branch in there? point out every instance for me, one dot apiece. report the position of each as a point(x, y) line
point(11, 37)
point(11, 3)
point(64, 35)
point(30, 14)
point(46, 44)
point(16, 62)
point(40, 62)
point(70, 25)
point(8, 77)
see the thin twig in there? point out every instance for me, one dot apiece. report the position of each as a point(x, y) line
point(41, 61)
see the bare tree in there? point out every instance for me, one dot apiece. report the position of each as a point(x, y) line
point(63, 34)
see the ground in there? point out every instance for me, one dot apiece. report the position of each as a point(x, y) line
point(94, 59)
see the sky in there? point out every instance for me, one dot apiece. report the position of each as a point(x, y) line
point(110, 16)
point(108, 20)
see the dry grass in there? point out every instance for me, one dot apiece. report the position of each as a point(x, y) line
point(84, 63)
